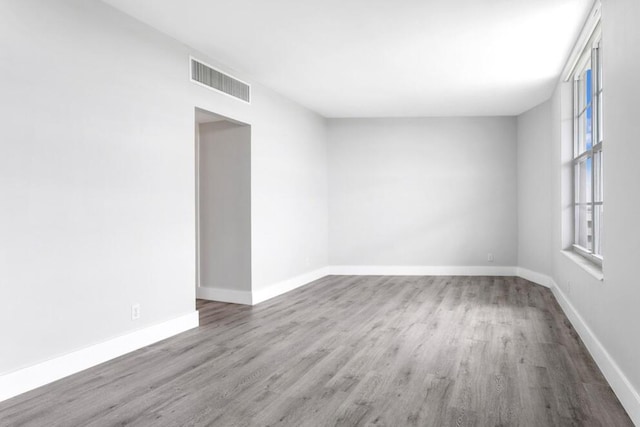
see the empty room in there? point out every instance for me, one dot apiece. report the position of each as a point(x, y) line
point(319, 213)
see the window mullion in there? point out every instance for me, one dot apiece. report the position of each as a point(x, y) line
point(576, 88)
point(578, 159)
point(594, 132)
point(576, 107)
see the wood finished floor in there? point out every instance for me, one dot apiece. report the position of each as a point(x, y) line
point(346, 351)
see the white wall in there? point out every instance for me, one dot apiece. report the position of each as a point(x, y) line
point(534, 182)
point(96, 179)
point(612, 308)
point(225, 205)
point(606, 312)
point(97, 169)
point(422, 192)
point(289, 192)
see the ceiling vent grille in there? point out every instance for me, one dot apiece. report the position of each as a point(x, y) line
point(210, 77)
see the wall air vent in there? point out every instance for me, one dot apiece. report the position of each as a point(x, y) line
point(205, 75)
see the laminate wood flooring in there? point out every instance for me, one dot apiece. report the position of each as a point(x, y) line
point(347, 351)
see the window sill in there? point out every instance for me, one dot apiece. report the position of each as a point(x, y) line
point(591, 268)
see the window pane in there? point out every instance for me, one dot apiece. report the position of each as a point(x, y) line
point(600, 132)
point(597, 247)
point(582, 226)
point(588, 137)
point(587, 86)
point(582, 189)
point(581, 134)
point(583, 214)
point(581, 94)
point(597, 178)
point(589, 227)
point(576, 184)
point(599, 68)
point(576, 225)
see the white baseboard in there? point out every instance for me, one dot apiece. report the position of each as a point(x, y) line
point(419, 270)
point(535, 277)
point(285, 286)
point(23, 380)
point(224, 295)
point(628, 395)
point(258, 296)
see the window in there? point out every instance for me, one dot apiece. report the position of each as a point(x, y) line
point(587, 153)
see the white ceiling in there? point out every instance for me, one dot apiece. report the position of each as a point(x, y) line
point(383, 58)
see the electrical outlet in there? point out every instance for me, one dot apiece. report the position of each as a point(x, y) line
point(490, 257)
point(135, 311)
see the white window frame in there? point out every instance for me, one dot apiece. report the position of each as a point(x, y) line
point(591, 55)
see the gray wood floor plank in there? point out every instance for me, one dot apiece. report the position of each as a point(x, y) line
point(346, 351)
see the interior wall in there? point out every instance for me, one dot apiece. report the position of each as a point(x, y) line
point(423, 192)
point(97, 178)
point(608, 308)
point(611, 307)
point(289, 193)
point(225, 205)
point(534, 182)
point(617, 302)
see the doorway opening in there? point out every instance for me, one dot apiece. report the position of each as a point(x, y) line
point(223, 208)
